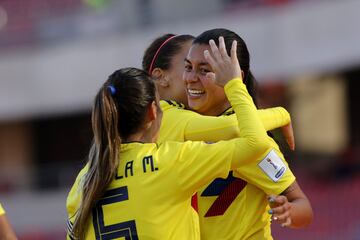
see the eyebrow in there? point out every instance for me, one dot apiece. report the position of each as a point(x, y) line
point(200, 63)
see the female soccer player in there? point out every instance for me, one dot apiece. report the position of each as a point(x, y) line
point(164, 56)
point(6, 231)
point(164, 60)
point(134, 188)
point(237, 207)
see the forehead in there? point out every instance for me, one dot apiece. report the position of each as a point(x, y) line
point(196, 53)
point(181, 54)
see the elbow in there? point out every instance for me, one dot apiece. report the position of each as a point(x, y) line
point(258, 148)
point(305, 217)
point(9, 237)
point(262, 145)
point(309, 217)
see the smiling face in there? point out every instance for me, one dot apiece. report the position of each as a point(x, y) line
point(204, 96)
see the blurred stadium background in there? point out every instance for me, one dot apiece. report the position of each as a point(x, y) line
point(54, 54)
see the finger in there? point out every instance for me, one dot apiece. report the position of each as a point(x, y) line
point(222, 48)
point(281, 218)
point(280, 209)
point(271, 201)
point(287, 223)
point(291, 142)
point(233, 52)
point(275, 201)
point(279, 200)
point(215, 51)
point(288, 133)
point(211, 76)
point(210, 59)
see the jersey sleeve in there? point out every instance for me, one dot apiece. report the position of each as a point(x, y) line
point(2, 211)
point(199, 163)
point(213, 129)
point(73, 202)
point(273, 118)
point(262, 173)
point(253, 138)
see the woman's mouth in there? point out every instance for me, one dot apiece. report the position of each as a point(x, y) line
point(195, 92)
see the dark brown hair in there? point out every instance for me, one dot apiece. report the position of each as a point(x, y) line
point(119, 110)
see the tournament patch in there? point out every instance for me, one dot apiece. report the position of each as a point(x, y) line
point(273, 166)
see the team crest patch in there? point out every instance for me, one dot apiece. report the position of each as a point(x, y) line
point(273, 166)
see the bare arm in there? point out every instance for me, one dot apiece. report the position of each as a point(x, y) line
point(6, 231)
point(292, 208)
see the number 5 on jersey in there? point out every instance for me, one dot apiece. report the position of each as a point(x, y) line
point(126, 229)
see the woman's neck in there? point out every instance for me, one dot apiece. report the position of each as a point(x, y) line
point(218, 109)
point(143, 137)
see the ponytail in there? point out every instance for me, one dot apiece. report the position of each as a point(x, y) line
point(127, 93)
point(103, 158)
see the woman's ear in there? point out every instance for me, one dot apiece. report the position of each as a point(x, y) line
point(152, 111)
point(242, 74)
point(160, 77)
point(157, 73)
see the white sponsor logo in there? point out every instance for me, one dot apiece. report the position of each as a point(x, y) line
point(273, 166)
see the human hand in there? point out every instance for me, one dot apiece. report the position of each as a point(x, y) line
point(280, 210)
point(225, 67)
point(288, 133)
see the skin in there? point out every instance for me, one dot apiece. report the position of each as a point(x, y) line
point(171, 86)
point(291, 208)
point(169, 83)
point(6, 231)
point(150, 130)
point(203, 94)
point(288, 209)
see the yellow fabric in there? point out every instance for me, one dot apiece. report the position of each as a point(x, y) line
point(154, 183)
point(246, 217)
point(2, 210)
point(181, 125)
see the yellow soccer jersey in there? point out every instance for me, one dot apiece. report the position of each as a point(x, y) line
point(151, 193)
point(222, 204)
point(2, 211)
point(179, 124)
point(236, 207)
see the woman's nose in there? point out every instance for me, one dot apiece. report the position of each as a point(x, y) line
point(190, 77)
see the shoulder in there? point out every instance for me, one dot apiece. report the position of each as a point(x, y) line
point(168, 104)
point(175, 111)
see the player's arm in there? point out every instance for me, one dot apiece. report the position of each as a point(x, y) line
point(73, 201)
point(278, 117)
point(205, 162)
point(6, 231)
point(292, 208)
point(273, 118)
point(217, 159)
point(213, 129)
point(253, 135)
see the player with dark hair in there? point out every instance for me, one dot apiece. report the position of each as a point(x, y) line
point(237, 207)
point(132, 187)
point(164, 60)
